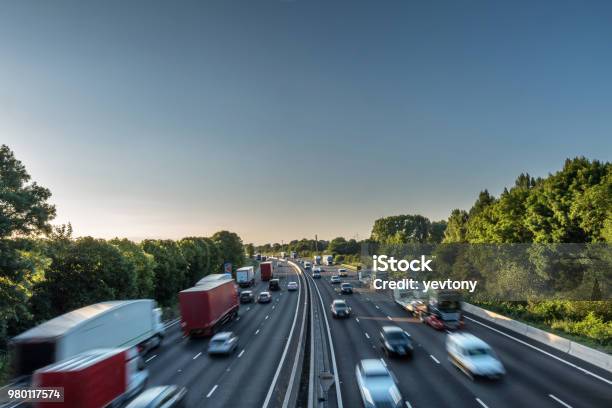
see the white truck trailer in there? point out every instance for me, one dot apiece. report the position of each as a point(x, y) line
point(328, 259)
point(113, 324)
point(316, 260)
point(245, 276)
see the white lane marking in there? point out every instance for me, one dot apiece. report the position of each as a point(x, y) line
point(377, 306)
point(434, 359)
point(248, 308)
point(211, 391)
point(267, 316)
point(357, 319)
point(171, 323)
point(559, 401)
point(150, 358)
point(382, 360)
point(197, 355)
point(241, 353)
point(367, 335)
point(481, 403)
point(408, 405)
point(273, 306)
point(257, 332)
point(284, 355)
point(389, 317)
point(542, 351)
point(238, 318)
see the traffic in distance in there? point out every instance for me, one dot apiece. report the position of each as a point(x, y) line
point(240, 339)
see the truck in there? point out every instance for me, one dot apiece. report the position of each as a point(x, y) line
point(441, 309)
point(94, 379)
point(283, 255)
point(213, 277)
point(206, 307)
point(267, 270)
point(245, 276)
point(329, 259)
point(294, 255)
point(119, 323)
point(316, 260)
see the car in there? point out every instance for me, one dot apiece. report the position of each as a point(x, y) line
point(339, 308)
point(274, 284)
point(396, 342)
point(246, 296)
point(291, 286)
point(307, 266)
point(473, 356)
point(316, 275)
point(377, 385)
point(264, 297)
point(335, 279)
point(346, 288)
point(223, 343)
point(342, 272)
point(163, 396)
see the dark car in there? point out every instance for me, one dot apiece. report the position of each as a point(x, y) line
point(346, 288)
point(246, 296)
point(339, 308)
point(163, 396)
point(274, 284)
point(396, 342)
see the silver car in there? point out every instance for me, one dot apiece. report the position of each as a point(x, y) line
point(473, 356)
point(377, 385)
point(292, 286)
point(223, 343)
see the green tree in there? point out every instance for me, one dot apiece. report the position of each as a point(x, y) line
point(230, 247)
point(170, 269)
point(250, 250)
point(24, 212)
point(202, 257)
point(142, 263)
point(456, 229)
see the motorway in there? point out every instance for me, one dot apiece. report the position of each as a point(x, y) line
point(534, 378)
point(243, 379)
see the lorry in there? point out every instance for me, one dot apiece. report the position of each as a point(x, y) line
point(245, 276)
point(441, 309)
point(213, 277)
point(119, 323)
point(206, 307)
point(283, 255)
point(94, 379)
point(294, 255)
point(329, 259)
point(316, 260)
point(267, 270)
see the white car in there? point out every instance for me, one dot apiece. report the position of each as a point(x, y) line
point(335, 279)
point(292, 286)
point(223, 343)
point(473, 356)
point(377, 385)
point(342, 272)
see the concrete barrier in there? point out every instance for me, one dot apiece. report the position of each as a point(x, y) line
point(584, 353)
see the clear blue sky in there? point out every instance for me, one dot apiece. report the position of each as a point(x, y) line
point(282, 119)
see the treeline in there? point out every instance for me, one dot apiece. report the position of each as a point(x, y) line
point(45, 272)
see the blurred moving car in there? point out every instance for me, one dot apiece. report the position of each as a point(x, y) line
point(223, 343)
point(342, 272)
point(316, 274)
point(473, 356)
point(291, 286)
point(246, 296)
point(264, 297)
point(377, 385)
point(163, 396)
point(335, 279)
point(346, 288)
point(339, 308)
point(396, 342)
point(274, 284)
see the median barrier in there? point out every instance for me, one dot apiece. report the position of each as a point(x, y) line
point(584, 353)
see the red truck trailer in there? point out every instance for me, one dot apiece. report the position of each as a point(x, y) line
point(94, 379)
point(207, 306)
point(266, 270)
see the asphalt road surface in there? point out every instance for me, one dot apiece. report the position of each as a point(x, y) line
point(534, 378)
point(243, 379)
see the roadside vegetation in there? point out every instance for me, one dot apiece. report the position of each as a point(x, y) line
point(541, 249)
point(45, 271)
